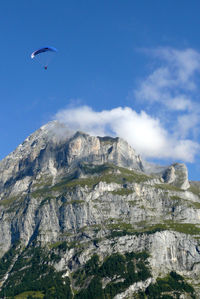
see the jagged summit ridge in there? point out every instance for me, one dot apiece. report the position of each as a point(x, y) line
point(54, 150)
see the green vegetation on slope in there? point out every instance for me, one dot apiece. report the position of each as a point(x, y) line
point(33, 276)
point(122, 270)
point(195, 187)
point(172, 286)
point(122, 228)
point(95, 173)
point(30, 295)
point(167, 187)
point(33, 272)
point(8, 258)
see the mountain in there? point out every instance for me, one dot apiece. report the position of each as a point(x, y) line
point(86, 217)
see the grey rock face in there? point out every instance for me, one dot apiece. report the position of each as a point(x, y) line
point(63, 186)
point(177, 175)
point(168, 251)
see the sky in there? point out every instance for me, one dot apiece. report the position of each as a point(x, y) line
point(123, 68)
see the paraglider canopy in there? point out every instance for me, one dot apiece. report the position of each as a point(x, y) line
point(42, 50)
point(44, 55)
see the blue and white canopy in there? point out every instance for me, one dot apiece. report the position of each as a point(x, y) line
point(42, 50)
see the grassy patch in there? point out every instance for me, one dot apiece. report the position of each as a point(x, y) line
point(188, 203)
point(177, 198)
point(8, 201)
point(12, 203)
point(191, 204)
point(186, 228)
point(42, 182)
point(194, 187)
point(95, 227)
point(67, 184)
point(120, 226)
point(132, 202)
point(94, 169)
point(133, 176)
point(40, 192)
point(55, 245)
point(194, 204)
point(31, 294)
point(143, 227)
point(167, 187)
point(120, 229)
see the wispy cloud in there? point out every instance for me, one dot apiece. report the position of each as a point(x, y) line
point(173, 81)
point(172, 88)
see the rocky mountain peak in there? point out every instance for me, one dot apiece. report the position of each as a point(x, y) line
point(53, 150)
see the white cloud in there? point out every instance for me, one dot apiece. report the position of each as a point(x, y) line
point(183, 64)
point(173, 79)
point(172, 90)
point(180, 103)
point(143, 132)
point(187, 123)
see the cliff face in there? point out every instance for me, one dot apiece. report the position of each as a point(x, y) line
point(78, 197)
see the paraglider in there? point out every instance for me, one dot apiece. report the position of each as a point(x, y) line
point(44, 55)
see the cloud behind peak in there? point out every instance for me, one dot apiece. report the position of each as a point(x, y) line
point(143, 132)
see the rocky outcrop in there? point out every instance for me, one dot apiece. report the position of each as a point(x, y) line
point(177, 175)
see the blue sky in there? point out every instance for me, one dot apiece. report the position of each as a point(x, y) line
point(127, 68)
